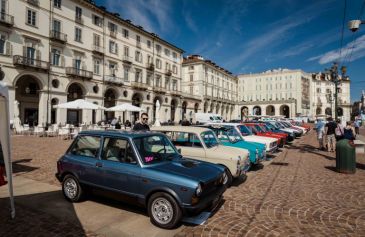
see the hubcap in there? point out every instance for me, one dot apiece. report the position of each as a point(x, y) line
point(70, 188)
point(162, 210)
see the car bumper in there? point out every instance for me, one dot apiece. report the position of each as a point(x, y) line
point(208, 202)
point(58, 177)
point(272, 150)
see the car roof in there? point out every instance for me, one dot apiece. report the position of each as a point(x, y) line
point(123, 133)
point(191, 129)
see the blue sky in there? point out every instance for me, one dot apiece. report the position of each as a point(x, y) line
point(246, 36)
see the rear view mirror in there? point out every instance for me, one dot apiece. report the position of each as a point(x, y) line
point(179, 150)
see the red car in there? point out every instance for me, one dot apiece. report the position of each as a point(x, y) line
point(257, 130)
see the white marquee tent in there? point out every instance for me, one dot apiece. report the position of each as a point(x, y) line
point(5, 140)
point(79, 104)
point(125, 107)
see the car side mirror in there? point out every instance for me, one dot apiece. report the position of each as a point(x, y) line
point(179, 150)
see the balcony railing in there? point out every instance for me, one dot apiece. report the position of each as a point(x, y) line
point(72, 71)
point(127, 59)
point(138, 44)
point(175, 92)
point(113, 34)
point(30, 62)
point(79, 20)
point(139, 85)
point(168, 72)
point(98, 49)
point(33, 2)
point(59, 36)
point(6, 19)
point(111, 79)
point(159, 89)
point(150, 66)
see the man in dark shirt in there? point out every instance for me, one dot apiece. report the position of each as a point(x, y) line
point(330, 129)
point(143, 124)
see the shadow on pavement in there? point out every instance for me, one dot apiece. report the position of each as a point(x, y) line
point(237, 182)
point(360, 166)
point(41, 214)
point(332, 168)
point(19, 167)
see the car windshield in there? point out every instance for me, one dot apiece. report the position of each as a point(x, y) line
point(267, 127)
point(280, 125)
point(155, 149)
point(209, 139)
point(258, 128)
point(227, 136)
point(244, 130)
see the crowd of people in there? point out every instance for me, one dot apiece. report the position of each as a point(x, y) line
point(331, 131)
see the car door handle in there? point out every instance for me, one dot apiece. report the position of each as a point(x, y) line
point(99, 164)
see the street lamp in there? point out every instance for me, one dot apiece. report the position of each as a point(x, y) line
point(354, 25)
point(334, 77)
point(330, 99)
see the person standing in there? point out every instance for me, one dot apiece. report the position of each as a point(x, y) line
point(357, 126)
point(143, 124)
point(349, 132)
point(330, 129)
point(320, 133)
point(339, 130)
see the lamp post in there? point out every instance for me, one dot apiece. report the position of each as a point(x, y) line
point(334, 77)
point(330, 99)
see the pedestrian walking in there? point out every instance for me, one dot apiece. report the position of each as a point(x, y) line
point(349, 132)
point(357, 126)
point(143, 124)
point(330, 129)
point(320, 133)
point(339, 130)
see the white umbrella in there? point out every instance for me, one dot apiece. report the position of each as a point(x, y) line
point(5, 141)
point(79, 104)
point(125, 107)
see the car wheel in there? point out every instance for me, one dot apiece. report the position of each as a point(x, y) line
point(164, 211)
point(71, 188)
point(229, 177)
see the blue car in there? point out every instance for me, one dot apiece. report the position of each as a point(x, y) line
point(145, 166)
point(230, 137)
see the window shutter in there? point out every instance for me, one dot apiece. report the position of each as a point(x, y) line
point(24, 51)
point(7, 48)
point(116, 48)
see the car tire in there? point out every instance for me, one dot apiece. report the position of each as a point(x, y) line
point(229, 176)
point(72, 189)
point(164, 211)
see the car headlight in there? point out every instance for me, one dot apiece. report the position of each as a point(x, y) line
point(224, 178)
point(198, 190)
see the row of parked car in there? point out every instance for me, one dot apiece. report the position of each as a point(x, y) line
point(174, 171)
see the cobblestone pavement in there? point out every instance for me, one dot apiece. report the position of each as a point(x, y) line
point(298, 194)
point(36, 157)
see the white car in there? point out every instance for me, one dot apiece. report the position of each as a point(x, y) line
point(286, 129)
point(202, 144)
point(203, 118)
point(271, 143)
point(294, 126)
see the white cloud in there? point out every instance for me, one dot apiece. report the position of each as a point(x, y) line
point(351, 52)
point(277, 33)
point(190, 22)
point(152, 15)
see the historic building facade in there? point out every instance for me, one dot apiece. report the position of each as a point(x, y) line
point(209, 88)
point(275, 92)
point(322, 90)
point(60, 50)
